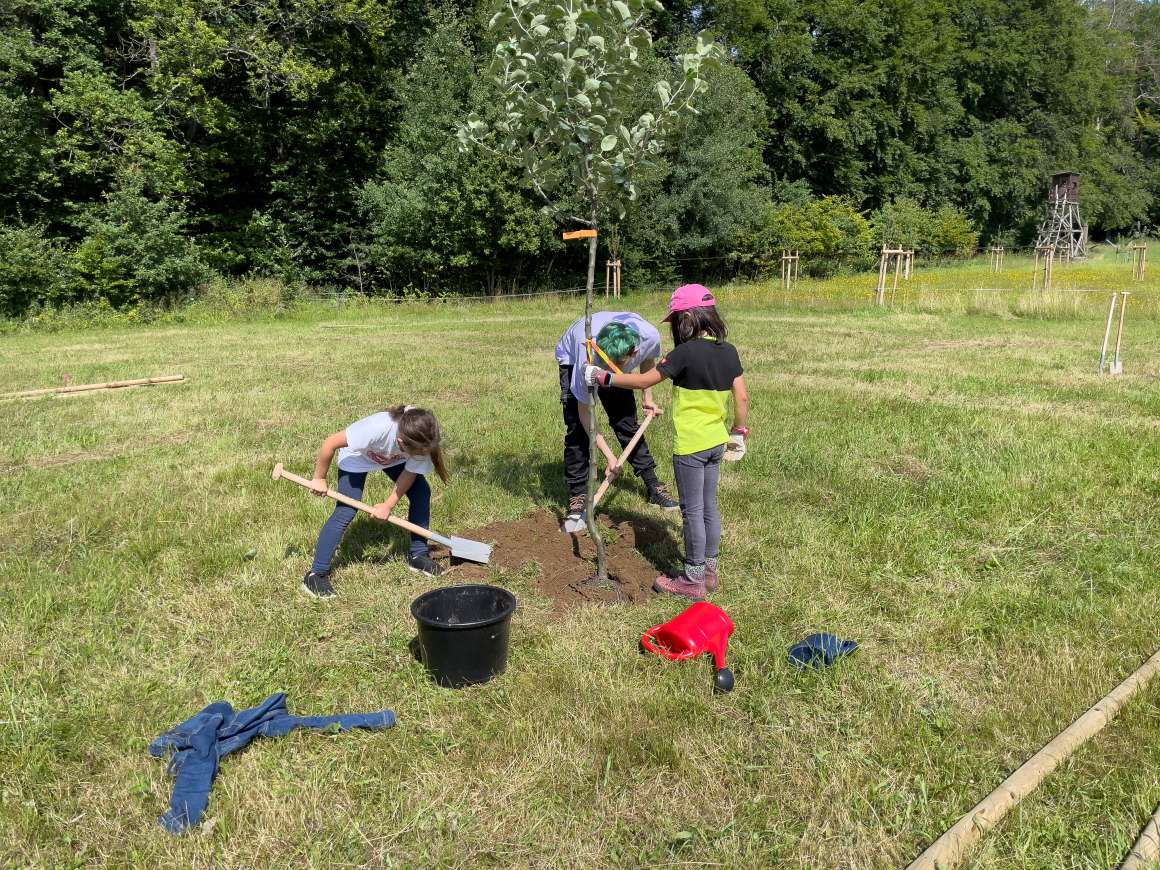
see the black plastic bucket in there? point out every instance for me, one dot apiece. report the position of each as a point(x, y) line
point(464, 632)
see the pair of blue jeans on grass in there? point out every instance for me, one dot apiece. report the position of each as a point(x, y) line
point(351, 484)
point(195, 747)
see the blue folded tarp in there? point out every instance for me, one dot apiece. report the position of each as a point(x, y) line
point(197, 745)
point(819, 651)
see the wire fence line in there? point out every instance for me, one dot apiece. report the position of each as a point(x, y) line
point(341, 296)
point(767, 265)
point(723, 270)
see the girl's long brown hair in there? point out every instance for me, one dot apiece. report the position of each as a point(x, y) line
point(420, 433)
point(691, 322)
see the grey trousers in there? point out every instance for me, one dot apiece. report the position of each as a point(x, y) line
point(696, 475)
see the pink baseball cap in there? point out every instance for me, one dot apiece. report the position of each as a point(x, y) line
point(689, 296)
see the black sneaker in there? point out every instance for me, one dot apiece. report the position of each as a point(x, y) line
point(424, 564)
point(318, 586)
point(659, 496)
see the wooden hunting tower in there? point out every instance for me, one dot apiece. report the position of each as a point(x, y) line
point(1063, 228)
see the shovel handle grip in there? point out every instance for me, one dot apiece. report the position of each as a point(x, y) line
point(648, 418)
point(280, 472)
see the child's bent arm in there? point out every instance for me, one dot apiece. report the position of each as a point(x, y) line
point(740, 402)
point(646, 396)
point(582, 408)
point(383, 509)
point(322, 465)
point(643, 381)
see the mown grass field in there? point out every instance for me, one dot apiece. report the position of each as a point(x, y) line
point(951, 486)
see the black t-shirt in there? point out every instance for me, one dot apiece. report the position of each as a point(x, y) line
point(702, 372)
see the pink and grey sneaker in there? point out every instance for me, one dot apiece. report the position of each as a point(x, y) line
point(711, 574)
point(691, 587)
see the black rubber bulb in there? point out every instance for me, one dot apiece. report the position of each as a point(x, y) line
point(724, 680)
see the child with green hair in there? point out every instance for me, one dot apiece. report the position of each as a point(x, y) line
point(629, 341)
point(706, 373)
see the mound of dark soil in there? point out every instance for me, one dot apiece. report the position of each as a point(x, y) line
point(565, 561)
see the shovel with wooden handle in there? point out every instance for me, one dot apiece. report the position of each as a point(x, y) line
point(1117, 367)
point(461, 548)
point(1107, 332)
point(572, 526)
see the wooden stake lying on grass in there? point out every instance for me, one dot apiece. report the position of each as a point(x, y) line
point(1147, 848)
point(111, 385)
point(945, 852)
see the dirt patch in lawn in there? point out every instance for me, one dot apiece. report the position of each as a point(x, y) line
point(557, 564)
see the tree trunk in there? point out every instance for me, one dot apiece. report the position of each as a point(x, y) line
point(593, 451)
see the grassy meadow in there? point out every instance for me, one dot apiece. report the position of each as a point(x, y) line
point(948, 483)
point(974, 286)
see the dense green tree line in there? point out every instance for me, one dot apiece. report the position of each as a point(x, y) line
point(148, 145)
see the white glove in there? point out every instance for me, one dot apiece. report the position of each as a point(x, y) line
point(735, 449)
point(594, 376)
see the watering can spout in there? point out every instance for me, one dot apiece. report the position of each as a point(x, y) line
point(716, 647)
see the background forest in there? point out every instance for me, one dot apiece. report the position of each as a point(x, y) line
point(147, 146)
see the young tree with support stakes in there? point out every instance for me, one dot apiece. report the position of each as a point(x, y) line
point(568, 72)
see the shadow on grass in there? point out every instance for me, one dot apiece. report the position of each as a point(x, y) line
point(655, 540)
point(542, 480)
point(370, 541)
point(533, 477)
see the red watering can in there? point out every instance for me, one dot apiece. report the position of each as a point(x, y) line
point(701, 628)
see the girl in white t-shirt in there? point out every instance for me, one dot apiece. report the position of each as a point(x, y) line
point(404, 443)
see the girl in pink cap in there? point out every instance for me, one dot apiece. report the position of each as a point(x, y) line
point(705, 371)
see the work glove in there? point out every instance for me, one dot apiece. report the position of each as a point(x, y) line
point(735, 449)
point(594, 376)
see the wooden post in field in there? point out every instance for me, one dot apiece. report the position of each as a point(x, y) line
point(897, 269)
point(1047, 252)
point(880, 291)
point(884, 268)
point(1138, 256)
point(612, 278)
point(789, 269)
point(909, 264)
point(996, 266)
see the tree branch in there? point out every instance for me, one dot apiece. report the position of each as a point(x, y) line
point(553, 205)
